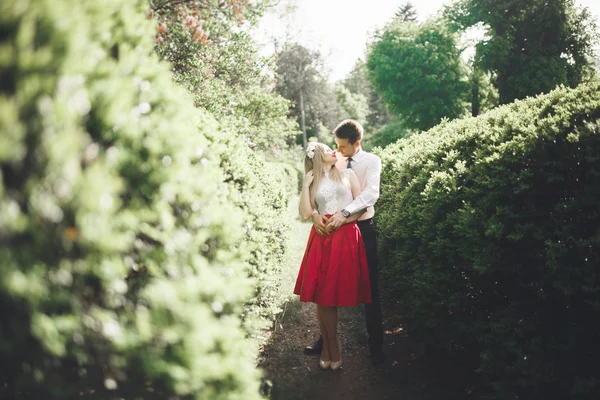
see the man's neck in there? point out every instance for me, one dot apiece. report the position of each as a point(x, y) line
point(358, 149)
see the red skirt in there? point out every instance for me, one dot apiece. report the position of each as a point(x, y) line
point(334, 270)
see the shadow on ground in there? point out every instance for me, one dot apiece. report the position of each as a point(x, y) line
point(408, 374)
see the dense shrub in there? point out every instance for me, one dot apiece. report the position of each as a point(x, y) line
point(490, 241)
point(217, 61)
point(124, 250)
point(225, 75)
point(262, 190)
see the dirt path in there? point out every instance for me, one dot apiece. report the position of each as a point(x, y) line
point(408, 374)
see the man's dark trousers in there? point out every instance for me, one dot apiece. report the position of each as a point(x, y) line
point(373, 310)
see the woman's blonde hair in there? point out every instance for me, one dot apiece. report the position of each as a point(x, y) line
point(316, 165)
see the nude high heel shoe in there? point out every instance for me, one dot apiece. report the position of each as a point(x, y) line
point(335, 365)
point(324, 364)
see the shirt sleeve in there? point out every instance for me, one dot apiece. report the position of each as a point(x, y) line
point(369, 195)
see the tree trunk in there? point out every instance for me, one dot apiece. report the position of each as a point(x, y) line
point(502, 90)
point(475, 98)
point(315, 122)
point(501, 72)
point(302, 118)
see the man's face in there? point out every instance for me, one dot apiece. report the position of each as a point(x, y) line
point(345, 148)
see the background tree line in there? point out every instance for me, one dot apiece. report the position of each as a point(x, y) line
point(415, 74)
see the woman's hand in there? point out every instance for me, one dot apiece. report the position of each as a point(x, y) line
point(320, 223)
point(308, 178)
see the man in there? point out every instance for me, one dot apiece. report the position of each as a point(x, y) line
point(367, 167)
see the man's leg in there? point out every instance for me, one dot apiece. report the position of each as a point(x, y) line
point(373, 310)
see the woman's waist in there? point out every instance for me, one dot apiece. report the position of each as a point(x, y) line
point(368, 214)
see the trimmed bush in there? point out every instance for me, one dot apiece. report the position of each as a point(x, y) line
point(262, 190)
point(490, 241)
point(125, 252)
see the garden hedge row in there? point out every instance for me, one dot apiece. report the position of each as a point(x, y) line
point(135, 234)
point(490, 241)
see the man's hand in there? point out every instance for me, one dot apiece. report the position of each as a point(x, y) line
point(334, 223)
point(319, 222)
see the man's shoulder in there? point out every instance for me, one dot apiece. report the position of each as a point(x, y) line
point(371, 156)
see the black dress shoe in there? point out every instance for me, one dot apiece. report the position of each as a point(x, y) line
point(315, 348)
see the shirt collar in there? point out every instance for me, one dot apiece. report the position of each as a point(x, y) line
point(359, 156)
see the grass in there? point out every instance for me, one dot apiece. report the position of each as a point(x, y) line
point(299, 231)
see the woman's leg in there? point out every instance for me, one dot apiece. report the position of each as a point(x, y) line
point(323, 328)
point(329, 315)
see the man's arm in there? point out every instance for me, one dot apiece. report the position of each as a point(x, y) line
point(355, 186)
point(370, 194)
point(367, 198)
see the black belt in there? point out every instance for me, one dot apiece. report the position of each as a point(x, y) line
point(364, 221)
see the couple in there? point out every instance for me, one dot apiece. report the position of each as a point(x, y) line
point(339, 267)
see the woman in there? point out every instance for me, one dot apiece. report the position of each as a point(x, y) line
point(334, 269)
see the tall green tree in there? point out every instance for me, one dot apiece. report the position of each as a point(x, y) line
point(325, 109)
point(355, 104)
point(530, 47)
point(300, 78)
point(406, 12)
point(358, 83)
point(297, 75)
point(484, 95)
point(419, 73)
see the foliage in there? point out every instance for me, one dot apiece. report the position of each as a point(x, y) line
point(122, 259)
point(260, 189)
point(530, 49)
point(300, 78)
point(355, 104)
point(406, 13)
point(388, 134)
point(358, 84)
point(489, 241)
point(216, 59)
point(324, 111)
point(484, 95)
point(418, 71)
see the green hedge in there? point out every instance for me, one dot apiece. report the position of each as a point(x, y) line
point(125, 245)
point(490, 240)
point(262, 190)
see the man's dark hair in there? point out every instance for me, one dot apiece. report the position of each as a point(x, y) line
point(349, 129)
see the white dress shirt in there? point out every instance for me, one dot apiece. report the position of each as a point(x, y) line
point(367, 167)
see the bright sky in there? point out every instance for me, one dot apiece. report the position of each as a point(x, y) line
point(340, 28)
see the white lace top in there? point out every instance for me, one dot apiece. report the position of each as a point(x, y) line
point(332, 196)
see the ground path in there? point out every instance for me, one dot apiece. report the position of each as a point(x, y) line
point(409, 374)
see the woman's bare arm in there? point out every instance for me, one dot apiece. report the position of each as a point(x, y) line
point(305, 208)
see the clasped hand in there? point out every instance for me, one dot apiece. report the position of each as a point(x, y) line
point(326, 226)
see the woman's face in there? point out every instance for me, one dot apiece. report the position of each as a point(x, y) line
point(329, 156)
